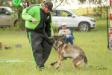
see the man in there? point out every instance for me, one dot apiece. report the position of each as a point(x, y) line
point(66, 32)
point(38, 25)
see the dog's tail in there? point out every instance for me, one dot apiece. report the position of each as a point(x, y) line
point(85, 60)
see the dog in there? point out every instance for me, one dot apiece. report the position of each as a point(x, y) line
point(66, 50)
point(0, 45)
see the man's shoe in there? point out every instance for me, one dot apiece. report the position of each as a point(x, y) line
point(41, 68)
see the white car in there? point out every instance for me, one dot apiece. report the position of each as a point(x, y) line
point(82, 23)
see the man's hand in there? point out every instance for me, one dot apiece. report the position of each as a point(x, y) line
point(50, 40)
point(34, 21)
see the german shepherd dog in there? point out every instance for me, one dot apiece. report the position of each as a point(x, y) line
point(66, 50)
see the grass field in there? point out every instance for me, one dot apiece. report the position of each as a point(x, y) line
point(19, 61)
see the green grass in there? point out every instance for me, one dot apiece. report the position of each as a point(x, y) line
point(94, 44)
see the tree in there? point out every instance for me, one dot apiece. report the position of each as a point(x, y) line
point(1, 2)
point(82, 1)
point(20, 21)
point(99, 5)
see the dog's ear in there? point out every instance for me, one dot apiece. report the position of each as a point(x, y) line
point(59, 38)
point(62, 38)
point(56, 37)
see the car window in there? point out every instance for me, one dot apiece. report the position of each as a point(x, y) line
point(65, 13)
point(2, 11)
point(61, 13)
point(53, 13)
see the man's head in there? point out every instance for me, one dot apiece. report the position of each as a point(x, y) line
point(47, 7)
point(64, 26)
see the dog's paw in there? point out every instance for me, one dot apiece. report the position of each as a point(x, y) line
point(57, 67)
point(52, 64)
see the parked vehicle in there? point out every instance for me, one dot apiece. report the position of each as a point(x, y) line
point(59, 16)
point(7, 17)
point(82, 23)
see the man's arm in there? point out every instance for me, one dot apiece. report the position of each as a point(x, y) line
point(27, 14)
point(48, 28)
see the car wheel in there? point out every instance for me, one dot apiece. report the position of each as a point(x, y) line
point(84, 27)
point(16, 23)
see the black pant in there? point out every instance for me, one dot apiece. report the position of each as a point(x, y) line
point(40, 47)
